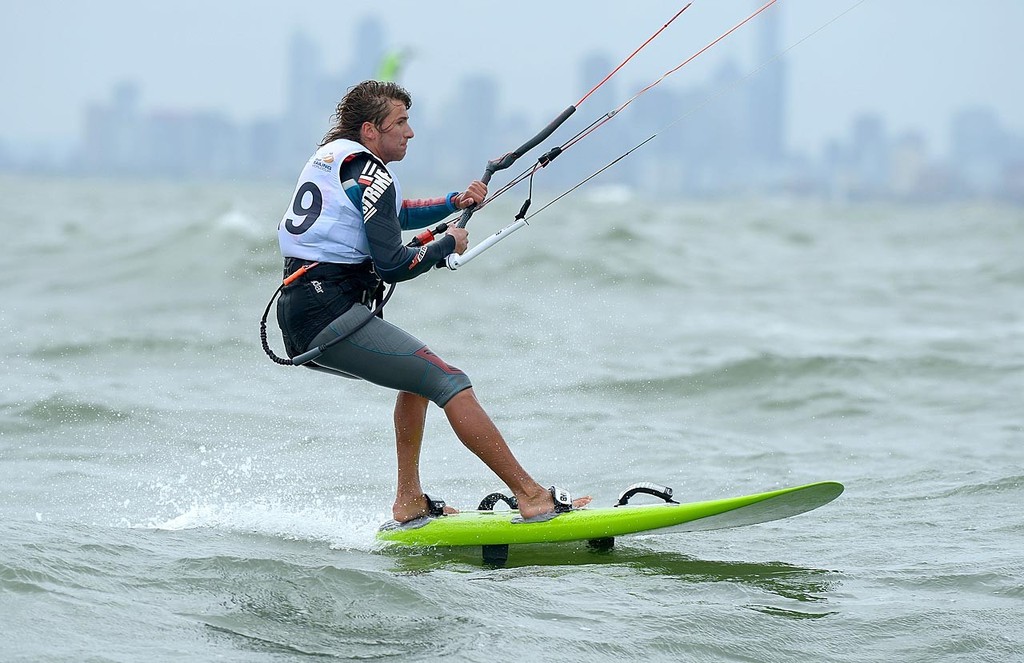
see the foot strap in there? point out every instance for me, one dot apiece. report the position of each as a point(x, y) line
point(562, 498)
point(488, 503)
point(648, 488)
point(563, 504)
point(435, 508)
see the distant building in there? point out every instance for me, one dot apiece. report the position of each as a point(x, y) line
point(302, 124)
point(723, 138)
point(766, 93)
point(979, 150)
point(189, 144)
point(870, 156)
point(113, 133)
point(910, 167)
point(119, 139)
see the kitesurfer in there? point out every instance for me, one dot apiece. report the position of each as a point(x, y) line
point(344, 224)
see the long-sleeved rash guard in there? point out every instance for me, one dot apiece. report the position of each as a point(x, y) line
point(371, 188)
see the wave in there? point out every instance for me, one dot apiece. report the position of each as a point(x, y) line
point(155, 342)
point(66, 410)
point(160, 250)
point(597, 269)
point(342, 522)
point(999, 486)
point(742, 373)
point(771, 369)
point(199, 249)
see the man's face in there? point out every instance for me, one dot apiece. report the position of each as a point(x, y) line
point(394, 134)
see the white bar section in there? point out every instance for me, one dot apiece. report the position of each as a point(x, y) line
point(454, 260)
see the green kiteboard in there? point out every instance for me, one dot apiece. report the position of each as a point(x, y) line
point(496, 530)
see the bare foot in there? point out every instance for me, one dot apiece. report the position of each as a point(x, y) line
point(415, 507)
point(542, 502)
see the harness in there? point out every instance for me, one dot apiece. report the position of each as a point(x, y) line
point(360, 277)
point(359, 281)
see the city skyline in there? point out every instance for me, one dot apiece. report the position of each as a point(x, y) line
point(914, 63)
point(737, 119)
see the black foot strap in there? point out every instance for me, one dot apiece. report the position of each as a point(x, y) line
point(562, 498)
point(435, 508)
point(664, 492)
point(488, 503)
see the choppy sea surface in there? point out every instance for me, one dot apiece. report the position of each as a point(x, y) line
point(168, 493)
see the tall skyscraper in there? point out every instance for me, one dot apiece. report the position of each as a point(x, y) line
point(304, 118)
point(766, 101)
point(113, 132)
point(979, 145)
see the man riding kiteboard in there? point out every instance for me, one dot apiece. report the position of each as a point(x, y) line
point(341, 235)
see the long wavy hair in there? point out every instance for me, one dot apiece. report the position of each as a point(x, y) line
point(365, 102)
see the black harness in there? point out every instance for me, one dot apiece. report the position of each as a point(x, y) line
point(347, 284)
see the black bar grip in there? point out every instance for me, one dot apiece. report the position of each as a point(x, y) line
point(503, 162)
point(507, 160)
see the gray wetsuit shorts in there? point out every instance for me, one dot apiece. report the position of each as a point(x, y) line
point(384, 354)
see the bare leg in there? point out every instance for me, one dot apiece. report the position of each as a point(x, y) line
point(410, 418)
point(476, 430)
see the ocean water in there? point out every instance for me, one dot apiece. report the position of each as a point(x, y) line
point(168, 493)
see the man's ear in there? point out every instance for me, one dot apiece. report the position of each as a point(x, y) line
point(368, 130)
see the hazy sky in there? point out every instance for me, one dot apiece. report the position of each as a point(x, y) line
point(914, 62)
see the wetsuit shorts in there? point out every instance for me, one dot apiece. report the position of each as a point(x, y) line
point(329, 301)
point(384, 354)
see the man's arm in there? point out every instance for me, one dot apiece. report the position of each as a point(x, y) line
point(371, 188)
point(423, 212)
